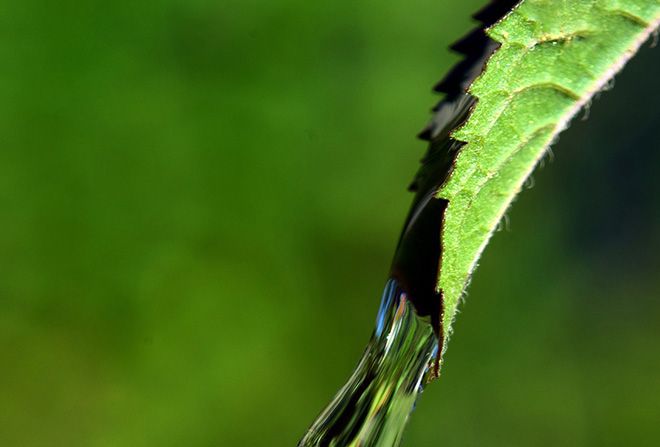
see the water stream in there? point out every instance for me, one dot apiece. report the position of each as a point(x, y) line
point(372, 408)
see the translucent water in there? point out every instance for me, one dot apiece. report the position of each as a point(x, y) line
point(372, 408)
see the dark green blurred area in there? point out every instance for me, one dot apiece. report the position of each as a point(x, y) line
point(198, 205)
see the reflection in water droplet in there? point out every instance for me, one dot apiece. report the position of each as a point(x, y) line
point(373, 407)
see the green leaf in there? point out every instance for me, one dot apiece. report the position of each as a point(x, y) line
point(554, 56)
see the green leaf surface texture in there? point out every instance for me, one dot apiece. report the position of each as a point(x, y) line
point(553, 57)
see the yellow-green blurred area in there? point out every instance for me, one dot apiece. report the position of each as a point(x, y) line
point(198, 205)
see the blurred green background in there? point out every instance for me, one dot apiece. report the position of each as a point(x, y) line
point(198, 205)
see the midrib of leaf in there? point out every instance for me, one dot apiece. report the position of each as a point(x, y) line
point(554, 56)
